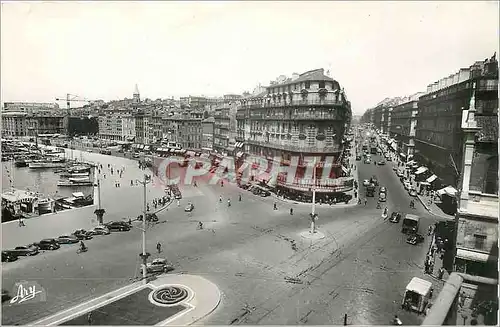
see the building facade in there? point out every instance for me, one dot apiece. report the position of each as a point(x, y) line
point(111, 126)
point(477, 213)
point(185, 129)
point(305, 115)
point(207, 141)
point(222, 130)
point(29, 107)
point(439, 137)
point(14, 124)
point(403, 125)
point(128, 128)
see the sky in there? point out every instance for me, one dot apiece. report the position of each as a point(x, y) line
point(100, 50)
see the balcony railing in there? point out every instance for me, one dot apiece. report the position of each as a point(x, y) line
point(272, 104)
point(296, 148)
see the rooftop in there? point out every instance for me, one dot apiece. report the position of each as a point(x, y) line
point(312, 75)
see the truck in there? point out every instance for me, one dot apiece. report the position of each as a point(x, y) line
point(410, 224)
point(370, 190)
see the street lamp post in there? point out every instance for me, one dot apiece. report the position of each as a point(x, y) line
point(313, 205)
point(144, 254)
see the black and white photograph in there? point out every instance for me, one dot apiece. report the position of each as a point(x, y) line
point(179, 163)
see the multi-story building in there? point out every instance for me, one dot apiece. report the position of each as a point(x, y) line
point(141, 127)
point(128, 128)
point(14, 124)
point(111, 126)
point(477, 213)
point(54, 122)
point(296, 117)
point(222, 130)
point(29, 107)
point(439, 137)
point(403, 125)
point(185, 129)
point(207, 140)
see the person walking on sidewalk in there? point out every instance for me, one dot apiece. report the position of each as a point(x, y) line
point(366, 201)
point(275, 206)
point(89, 318)
point(21, 221)
point(158, 247)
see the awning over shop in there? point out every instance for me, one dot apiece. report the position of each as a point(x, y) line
point(394, 146)
point(409, 163)
point(402, 155)
point(450, 190)
point(421, 170)
point(472, 255)
point(345, 170)
point(190, 153)
point(239, 154)
point(146, 148)
point(431, 179)
point(238, 144)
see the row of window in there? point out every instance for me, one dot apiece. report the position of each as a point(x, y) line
point(300, 86)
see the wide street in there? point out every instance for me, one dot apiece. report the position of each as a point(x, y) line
point(360, 268)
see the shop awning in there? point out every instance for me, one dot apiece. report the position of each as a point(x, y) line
point(421, 170)
point(146, 148)
point(345, 170)
point(431, 179)
point(239, 154)
point(450, 190)
point(238, 144)
point(394, 146)
point(191, 153)
point(402, 155)
point(472, 255)
point(409, 163)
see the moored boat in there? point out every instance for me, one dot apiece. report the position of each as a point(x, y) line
point(74, 183)
point(45, 164)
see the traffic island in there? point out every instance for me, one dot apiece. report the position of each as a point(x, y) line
point(167, 300)
point(312, 236)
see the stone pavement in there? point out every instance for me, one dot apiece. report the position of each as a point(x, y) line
point(202, 299)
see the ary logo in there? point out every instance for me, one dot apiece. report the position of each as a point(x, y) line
point(25, 291)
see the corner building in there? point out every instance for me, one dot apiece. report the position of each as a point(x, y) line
point(305, 115)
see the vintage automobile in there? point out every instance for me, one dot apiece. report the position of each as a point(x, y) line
point(82, 234)
point(374, 180)
point(366, 182)
point(48, 244)
point(8, 257)
point(382, 197)
point(412, 192)
point(158, 265)
point(381, 163)
point(417, 295)
point(27, 250)
point(67, 239)
point(358, 158)
point(189, 207)
point(100, 230)
point(119, 226)
point(395, 217)
point(382, 189)
point(415, 239)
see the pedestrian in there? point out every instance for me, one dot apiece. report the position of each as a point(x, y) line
point(355, 194)
point(291, 211)
point(239, 198)
point(89, 318)
point(441, 273)
point(147, 207)
point(275, 206)
point(366, 201)
point(21, 222)
point(158, 247)
point(220, 198)
point(104, 175)
point(130, 221)
point(221, 183)
point(178, 203)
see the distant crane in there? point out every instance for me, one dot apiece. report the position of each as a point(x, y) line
point(73, 98)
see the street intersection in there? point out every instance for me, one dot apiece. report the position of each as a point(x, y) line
point(360, 268)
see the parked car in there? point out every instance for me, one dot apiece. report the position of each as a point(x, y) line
point(407, 186)
point(382, 197)
point(415, 239)
point(383, 189)
point(388, 159)
point(381, 162)
point(82, 234)
point(189, 207)
point(159, 265)
point(100, 230)
point(67, 239)
point(149, 217)
point(264, 193)
point(118, 226)
point(395, 217)
point(374, 180)
point(48, 244)
point(368, 161)
point(135, 155)
point(412, 192)
point(27, 250)
point(5, 295)
point(400, 173)
point(8, 257)
point(366, 182)
point(358, 158)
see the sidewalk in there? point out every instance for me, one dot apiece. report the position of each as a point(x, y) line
point(433, 208)
point(203, 297)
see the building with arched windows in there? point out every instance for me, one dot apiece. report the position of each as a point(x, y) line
point(306, 115)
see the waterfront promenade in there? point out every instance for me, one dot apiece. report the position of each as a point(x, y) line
point(120, 203)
